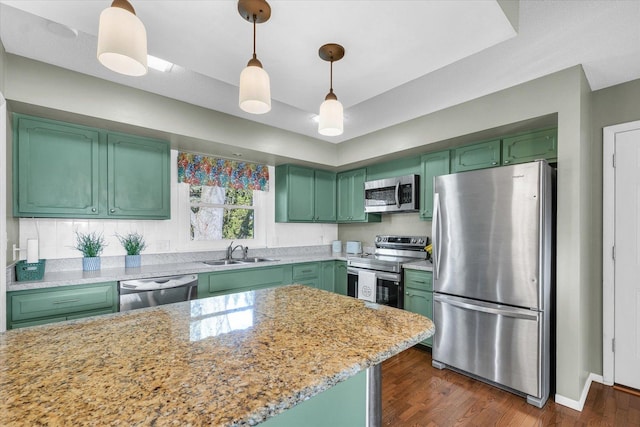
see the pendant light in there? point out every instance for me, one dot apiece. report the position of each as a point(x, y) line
point(331, 111)
point(255, 90)
point(122, 40)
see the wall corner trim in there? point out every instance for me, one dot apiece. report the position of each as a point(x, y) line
point(578, 405)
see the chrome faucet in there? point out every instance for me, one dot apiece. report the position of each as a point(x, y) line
point(231, 249)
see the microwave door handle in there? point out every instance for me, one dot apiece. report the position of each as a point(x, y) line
point(398, 194)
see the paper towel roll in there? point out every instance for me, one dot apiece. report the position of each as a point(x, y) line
point(32, 251)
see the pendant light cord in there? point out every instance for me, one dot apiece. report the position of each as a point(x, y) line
point(331, 77)
point(254, 36)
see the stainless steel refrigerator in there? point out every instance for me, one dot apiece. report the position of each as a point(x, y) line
point(492, 239)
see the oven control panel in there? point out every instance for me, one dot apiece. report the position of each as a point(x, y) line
point(405, 242)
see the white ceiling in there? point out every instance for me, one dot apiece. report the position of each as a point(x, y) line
point(403, 59)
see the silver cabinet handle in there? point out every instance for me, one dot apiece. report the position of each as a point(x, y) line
point(112, 210)
point(494, 163)
point(93, 209)
point(506, 161)
point(67, 301)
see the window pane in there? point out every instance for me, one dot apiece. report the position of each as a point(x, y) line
point(239, 197)
point(206, 194)
point(206, 223)
point(238, 224)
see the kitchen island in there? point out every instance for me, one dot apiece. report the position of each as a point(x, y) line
point(237, 359)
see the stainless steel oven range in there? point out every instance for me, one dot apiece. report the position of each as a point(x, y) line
point(386, 263)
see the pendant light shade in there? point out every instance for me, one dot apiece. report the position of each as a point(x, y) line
point(331, 118)
point(122, 40)
point(331, 115)
point(255, 88)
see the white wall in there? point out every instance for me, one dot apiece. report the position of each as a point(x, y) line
point(57, 236)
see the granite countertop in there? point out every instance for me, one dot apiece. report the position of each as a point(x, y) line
point(419, 265)
point(230, 360)
point(79, 277)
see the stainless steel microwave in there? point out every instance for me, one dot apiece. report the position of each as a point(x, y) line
point(392, 194)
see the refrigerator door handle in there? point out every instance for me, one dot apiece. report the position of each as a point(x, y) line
point(398, 194)
point(436, 233)
point(518, 313)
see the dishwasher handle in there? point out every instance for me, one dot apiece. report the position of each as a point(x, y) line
point(159, 283)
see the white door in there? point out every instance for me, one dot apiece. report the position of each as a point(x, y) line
point(627, 259)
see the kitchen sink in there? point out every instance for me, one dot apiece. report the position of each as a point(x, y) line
point(255, 259)
point(222, 262)
point(250, 260)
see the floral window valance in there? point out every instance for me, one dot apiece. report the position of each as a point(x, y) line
point(196, 169)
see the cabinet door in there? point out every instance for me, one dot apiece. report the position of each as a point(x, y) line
point(477, 156)
point(340, 284)
point(325, 196)
point(432, 165)
point(39, 306)
point(416, 279)
point(328, 275)
point(357, 195)
point(345, 186)
point(138, 170)
point(301, 194)
point(529, 147)
point(56, 169)
point(226, 282)
point(421, 302)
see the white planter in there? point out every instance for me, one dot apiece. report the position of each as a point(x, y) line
point(91, 263)
point(132, 261)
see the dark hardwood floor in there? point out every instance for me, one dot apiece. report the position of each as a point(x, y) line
point(416, 394)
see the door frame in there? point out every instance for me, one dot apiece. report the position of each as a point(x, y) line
point(608, 241)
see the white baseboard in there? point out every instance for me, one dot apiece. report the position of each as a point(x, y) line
point(578, 405)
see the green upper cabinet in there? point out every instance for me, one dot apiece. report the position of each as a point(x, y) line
point(138, 172)
point(325, 196)
point(531, 146)
point(56, 169)
point(63, 170)
point(432, 165)
point(476, 156)
point(305, 195)
point(351, 197)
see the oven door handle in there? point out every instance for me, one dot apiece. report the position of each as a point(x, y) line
point(160, 283)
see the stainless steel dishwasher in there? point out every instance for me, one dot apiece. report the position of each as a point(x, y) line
point(141, 293)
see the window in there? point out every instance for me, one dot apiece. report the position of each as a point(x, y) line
point(221, 200)
point(219, 213)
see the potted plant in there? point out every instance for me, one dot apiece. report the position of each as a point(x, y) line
point(133, 243)
point(91, 246)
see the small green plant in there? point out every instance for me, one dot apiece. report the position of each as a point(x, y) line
point(133, 243)
point(90, 244)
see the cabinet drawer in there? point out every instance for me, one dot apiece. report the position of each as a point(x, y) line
point(240, 280)
point(422, 280)
point(62, 301)
point(306, 270)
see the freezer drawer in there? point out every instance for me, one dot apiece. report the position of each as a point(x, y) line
point(495, 342)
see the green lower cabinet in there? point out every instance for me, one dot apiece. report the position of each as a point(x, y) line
point(531, 146)
point(476, 156)
point(340, 283)
point(418, 294)
point(343, 405)
point(40, 306)
point(307, 273)
point(241, 280)
point(431, 165)
point(327, 275)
